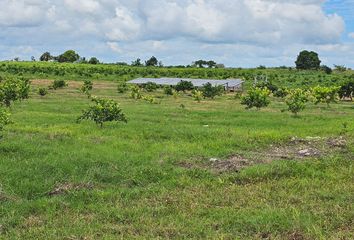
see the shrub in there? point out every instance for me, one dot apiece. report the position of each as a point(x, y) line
point(122, 87)
point(268, 85)
point(13, 89)
point(136, 93)
point(184, 86)
point(103, 110)
point(168, 90)
point(324, 94)
point(58, 84)
point(87, 86)
point(256, 97)
point(150, 86)
point(42, 91)
point(281, 93)
point(197, 95)
point(4, 118)
point(347, 90)
point(150, 99)
point(210, 91)
point(296, 100)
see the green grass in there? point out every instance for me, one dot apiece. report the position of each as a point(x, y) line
point(138, 187)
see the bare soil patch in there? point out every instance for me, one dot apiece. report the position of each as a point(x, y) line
point(69, 187)
point(295, 149)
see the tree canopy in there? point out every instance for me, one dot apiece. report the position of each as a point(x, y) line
point(69, 56)
point(308, 60)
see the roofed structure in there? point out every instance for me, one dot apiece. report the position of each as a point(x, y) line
point(229, 84)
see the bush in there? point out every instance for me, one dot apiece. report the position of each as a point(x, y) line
point(268, 85)
point(184, 86)
point(150, 99)
point(281, 93)
point(13, 89)
point(210, 91)
point(4, 118)
point(324, 94)
point(58, 84)
point(87, 86)
point(150, 86)
point(296, 100)
point(347, 90)
point(136, 93)
point(42, 91)
point(122, 87)
point(104, 110)
point(256, 97)
point(168, 90)
point(197, 95)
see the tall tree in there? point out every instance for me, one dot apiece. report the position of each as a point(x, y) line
point(69, 56)
point(152, 62)
point(308, 60)
point(46, 57)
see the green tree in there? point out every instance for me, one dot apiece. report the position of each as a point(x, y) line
point(103, 110)
point(197, 95)
point(308, 60)
point(122, 87)
point(69, 56)
point(296, 100)
point(137, 63)
point(93, 60)
point(13, 89)
point(45, 57)
point(4, 118)
point(256, 97)
point(326, 69)
point(210, 91)
point(346, 89)
point(184, 86)
point(324, 94)
point(152, 62)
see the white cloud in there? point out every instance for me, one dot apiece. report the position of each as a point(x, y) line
point(351, 35)
point(176, 29)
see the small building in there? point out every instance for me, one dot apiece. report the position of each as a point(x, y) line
point(229, 84)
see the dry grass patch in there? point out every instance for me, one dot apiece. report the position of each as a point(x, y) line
point(70, 187)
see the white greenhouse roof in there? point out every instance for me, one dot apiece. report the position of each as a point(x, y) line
point(196, 82)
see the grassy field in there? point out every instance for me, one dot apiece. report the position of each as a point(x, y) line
point(179, 169)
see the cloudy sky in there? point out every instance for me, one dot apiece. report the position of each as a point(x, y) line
point(238, 33)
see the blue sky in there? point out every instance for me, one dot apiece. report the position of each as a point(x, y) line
point(238, 33)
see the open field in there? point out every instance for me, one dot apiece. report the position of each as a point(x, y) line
point(209, 170)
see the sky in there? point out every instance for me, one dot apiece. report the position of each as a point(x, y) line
point(238, 33)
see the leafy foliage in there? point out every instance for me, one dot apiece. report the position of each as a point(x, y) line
point(122, 87)
point(168, 90)
point(46, 57)
point(308, 60)
point(197, 95)
point(347, 89)
point(42, 91)
point(136, 93)
point(68, 56)
point(4, 118)
point(210, 91)
point(256, 97)
point(87, 86)
point(184, 86)
point(93, 60)
point(150, 99)
point(58, 83)
point(103, 110)
point(152, 62)
point(296, 100)
point(150, 86)
point(324, 94)
point(12, 89)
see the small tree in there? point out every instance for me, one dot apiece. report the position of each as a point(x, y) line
point(4, 118)
point(87, 86)
point(197, 95)
point(58, 84)
point(13, 89)
point(210, 91)
point(42, 91)
point(256, 97)
point(324, 94)
point(150, 86)
point(326, 69)
point(137, 63)
point(296, 100)
point(168, 90)
point(136, 93)
point(347, 90)
point(184, 86)
point(122, 87)
point(103, 110)
point(307, 60)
